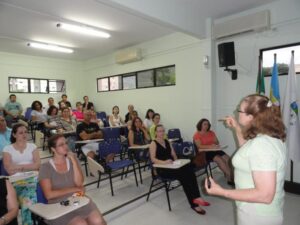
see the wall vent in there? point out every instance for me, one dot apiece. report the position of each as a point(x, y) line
point(128, 56)
point(250, 23)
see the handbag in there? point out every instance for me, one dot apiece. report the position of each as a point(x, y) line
point(200, 159)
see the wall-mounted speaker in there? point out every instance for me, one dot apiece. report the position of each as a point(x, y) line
point(226, 54)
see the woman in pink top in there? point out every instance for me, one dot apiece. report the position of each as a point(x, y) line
point(78, 113)
point(206, 140)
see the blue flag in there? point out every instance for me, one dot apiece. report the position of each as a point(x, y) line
point(274, 90)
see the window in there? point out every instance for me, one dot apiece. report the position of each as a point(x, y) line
point(115, 83)
point(35, 85)
point(283, 56)
point(165, 76)
point(129, 82)
point(103, 84)
point(145, 79)
point(18, 85)
point(156, 77)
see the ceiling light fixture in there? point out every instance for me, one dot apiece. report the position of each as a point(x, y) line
point(83, 30)
point(50, 47)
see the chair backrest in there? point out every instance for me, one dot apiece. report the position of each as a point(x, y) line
point(28, 113)
point(141, 155)
point(184, 149)
point(103, 117)
point(111, 134)
point(3, 171)
point(174, 133)
point(40, 195)
point(94, 166)
point(109, 147)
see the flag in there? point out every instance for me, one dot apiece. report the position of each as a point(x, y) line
point(290, 114)
point(260, 83)
point(274, 90)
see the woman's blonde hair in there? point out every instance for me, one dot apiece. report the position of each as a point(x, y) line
point(266, 118)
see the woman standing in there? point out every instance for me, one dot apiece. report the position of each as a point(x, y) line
point(60, 178)
point(259, 163)
point(162, 152)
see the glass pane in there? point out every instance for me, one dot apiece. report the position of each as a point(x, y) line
point(38, 86)
point(145, 78)
point(18, 85)
point(129, 82)
point(165, 76)
point(283, 58)
point(57, 86)
point(103, 84)
point(115, 83)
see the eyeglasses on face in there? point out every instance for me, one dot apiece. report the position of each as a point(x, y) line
point(240, 111)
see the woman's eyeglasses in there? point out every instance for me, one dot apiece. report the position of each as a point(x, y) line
point(240, 111)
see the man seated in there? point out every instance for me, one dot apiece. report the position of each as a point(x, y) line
point(50, 103)
point(13, 110)
point(5, 134)
point(88, 131)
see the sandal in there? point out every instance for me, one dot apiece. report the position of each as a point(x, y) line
point(201, 211)
point(200, 201)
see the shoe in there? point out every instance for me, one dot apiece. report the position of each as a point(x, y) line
point(199, 201)
point(201, 212)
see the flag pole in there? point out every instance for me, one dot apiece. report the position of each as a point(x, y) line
point(291, 186)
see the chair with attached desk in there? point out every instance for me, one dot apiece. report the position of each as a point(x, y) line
point(103, 117)
point(114, 147)
point(205, 165)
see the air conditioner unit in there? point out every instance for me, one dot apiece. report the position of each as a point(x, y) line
point(250, 23)
point(128, 56)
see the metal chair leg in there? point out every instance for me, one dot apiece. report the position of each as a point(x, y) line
point(168, 197)
point(150, 189)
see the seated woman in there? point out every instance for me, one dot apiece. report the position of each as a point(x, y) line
point(78, 113)
point(115, 119)
point(148, 119)
point(9, 206)
point(138, 135)
point(37, 114)
point(60, 178)
point(206, 140)
point(133, 115)
point(21, 156)
point(162, 152)
point(52, 118)
point(156, 121)
point(67, 122)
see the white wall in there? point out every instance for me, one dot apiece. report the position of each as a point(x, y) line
point(181, 105)
point(285, 21)
point(16, 65)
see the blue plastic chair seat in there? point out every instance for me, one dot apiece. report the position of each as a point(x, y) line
point(119, 164)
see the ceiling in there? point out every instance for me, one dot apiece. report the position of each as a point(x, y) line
point(22, 21)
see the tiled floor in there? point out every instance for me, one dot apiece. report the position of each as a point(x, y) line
point(156, 210)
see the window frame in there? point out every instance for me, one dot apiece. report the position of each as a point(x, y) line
point(274, 48)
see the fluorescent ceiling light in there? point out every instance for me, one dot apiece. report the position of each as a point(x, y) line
point(83, 30)
point(50, 47)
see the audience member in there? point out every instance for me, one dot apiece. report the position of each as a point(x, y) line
point(206, 140)
point(96, 120)
point(5, 133)
point(115, 119)
point(21, 156)
point(156, 120)
point(8, 201)
point(138, 135)
point(50, 103)
point(162, 152)
point(53, 120)
point(64, 100)
point(259, 163)
point(68, 123)
point(60, 178)
point(129, 114)
point(78, 113)
point(87, 131)
point(13, 110)
point(148, 119)
point(37, 114)
point(129, 122)
point(87, 105)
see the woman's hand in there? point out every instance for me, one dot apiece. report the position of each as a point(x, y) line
point(214, 189)
point(168, 161)
point(71, 156)
point(231, 122)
